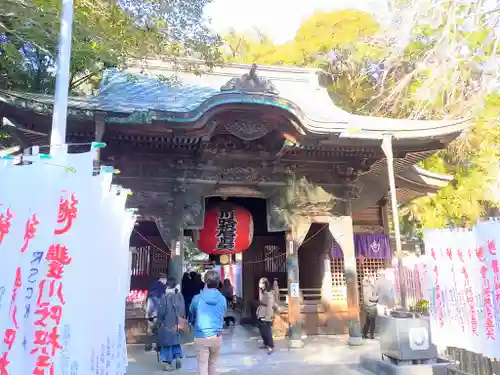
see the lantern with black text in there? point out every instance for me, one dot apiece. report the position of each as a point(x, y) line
point(228, 229)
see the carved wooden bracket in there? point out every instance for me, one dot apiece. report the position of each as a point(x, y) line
point(304, 199)
point(194, 210)
point(168, 223)
point(249, 129)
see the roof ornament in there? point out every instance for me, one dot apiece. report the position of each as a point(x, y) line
point(250, 82)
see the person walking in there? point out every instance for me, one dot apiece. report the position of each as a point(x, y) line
point(187, 285)
point(370, 300)
point(265, 314)
point(155, 293)
point(206, 317)
point(227, 291)
point(198, 284)
point(170, 323)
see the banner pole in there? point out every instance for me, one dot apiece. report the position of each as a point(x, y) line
point(59, 117)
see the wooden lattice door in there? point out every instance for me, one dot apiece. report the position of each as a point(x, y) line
point(365, 267)
point(368, 268)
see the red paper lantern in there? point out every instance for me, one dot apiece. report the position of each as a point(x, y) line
point(228, 229)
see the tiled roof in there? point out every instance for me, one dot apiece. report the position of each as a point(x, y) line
point(164, 94)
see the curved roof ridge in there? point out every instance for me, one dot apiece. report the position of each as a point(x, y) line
point(424, 179)
point(436, 175)
point(179, 97)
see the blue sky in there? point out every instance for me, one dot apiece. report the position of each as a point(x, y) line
point(278, 19)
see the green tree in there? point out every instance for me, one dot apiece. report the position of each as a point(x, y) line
point(105, 33)
point(436, 59)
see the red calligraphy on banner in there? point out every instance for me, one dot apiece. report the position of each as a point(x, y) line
point(496, 273)
point(4, 363)
point(491, 247)
point(5, 223)
point(10, 333)
point(13, 307)
point(29, 232)
point(50, 310)
point(488, 304)
point(433, 254)
point(449, 253)
point(439, 303)
point(67, 213)
point(9, 337)
point(461, 292)
point(480, 254)
point(58, 255)
point(469, 295)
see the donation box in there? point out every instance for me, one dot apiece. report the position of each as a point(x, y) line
point(405, 337)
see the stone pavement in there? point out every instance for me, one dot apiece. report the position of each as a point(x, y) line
point(240, 354)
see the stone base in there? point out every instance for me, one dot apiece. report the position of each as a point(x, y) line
point(355, 341)
point(385, 367)
point(295, 344)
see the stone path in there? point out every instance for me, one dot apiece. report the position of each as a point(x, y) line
point(240, 354)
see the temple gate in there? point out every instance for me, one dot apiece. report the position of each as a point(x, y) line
point(320, 173)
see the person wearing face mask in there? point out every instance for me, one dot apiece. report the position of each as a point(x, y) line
point(155, 292)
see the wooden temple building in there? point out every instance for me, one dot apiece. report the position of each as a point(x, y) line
point(314, 177)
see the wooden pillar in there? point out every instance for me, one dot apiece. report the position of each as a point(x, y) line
point(295, 237)
point(384, 213)
point(326, 284)
point(170, 226)
point(173, 236)
point(342, 231)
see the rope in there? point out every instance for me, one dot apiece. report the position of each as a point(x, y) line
point(168, 253)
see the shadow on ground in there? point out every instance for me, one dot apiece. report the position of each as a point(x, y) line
point(240, 354)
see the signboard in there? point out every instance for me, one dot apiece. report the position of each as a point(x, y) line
point(294, 290)
point(177, 248)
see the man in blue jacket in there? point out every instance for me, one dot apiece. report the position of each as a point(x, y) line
point(206, 317)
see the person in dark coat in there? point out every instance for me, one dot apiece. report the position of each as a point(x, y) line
point(155, 293)
point(187, 289)
point(171, 318)
point(198, 284)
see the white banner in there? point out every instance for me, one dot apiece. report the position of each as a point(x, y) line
point(64, 244)
point(463, 287)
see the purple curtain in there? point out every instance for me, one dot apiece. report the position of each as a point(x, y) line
point(371, 246)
